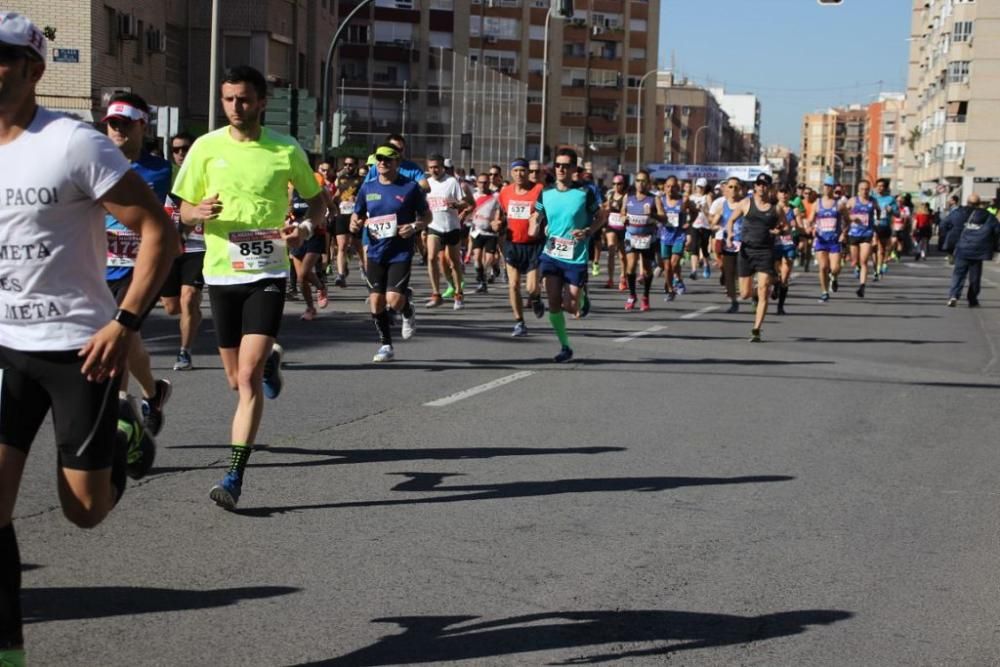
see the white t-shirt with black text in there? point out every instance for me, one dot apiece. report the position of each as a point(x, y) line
point(53, 247)
point(444, 218)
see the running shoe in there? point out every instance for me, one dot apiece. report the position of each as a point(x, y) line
point(448, 293)
point(861, 291)
point(857, 271)
point(227, 492)
point(681, 287)
point(693, 275)
point(707, 273)
point(482, 288)
point(384, 353)
point(434, 301)
point(585, 305)
point(781, 310)
point(670, 296)
point(565, 354)
point(537, 307)
point(973, 303)
point(734, 307)
point(610, 284)
point(152, 408)
point(630, 303)
point(340, 281)
point(519, 330)
point(885, 269)
point(824, 297)
point(644, 304)
point(595, 269)
point(894, 256)
point(309, 315)
point(657, 272)
point(952, 302)
point(875, 276)
point(141, 446)
point(491, 278)
point(459, 303)
point(622, 284)
point(755, 335)
point(323, 298)
point(183, 361)
point(273, 381)
point(409, 326)
point(833, 283)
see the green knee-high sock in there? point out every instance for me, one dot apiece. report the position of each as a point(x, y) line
point(558, 321)
point(239, 455)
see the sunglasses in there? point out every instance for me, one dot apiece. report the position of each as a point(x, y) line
point(350, 164)
point(384, 158)
point(180, 149)
point(119, 122)
point(638, 180)
point(533, 171)
point(563, 165)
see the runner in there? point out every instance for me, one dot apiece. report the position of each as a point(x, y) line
point(923, 229)
point(614, 232)
point(126, 119)
point(62, 344)
point(642, 211)
point(700, 203)
point(181, 294)
point(863, 211)
point(347, 183)
point(484, 239)
point(394, 210)
point(809, 203)
point(785, 249)
point(825, 223)
point(673, 235)
point(728, 250)
point(568, 213)
point(535, 174)
point(901, 226)
point(447, 201)
point(517, 202)
point(235, 182)
point(883, 226)
point(761, 219)
point(306, 257)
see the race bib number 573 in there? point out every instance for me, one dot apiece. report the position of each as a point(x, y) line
point(382, 227)
point(257, 250)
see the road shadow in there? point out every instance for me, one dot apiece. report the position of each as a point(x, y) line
point(430, 482)
point(893, 341)
point(522, 364)
point(443, 639)
point(79, 602)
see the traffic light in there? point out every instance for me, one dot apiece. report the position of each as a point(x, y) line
point(338, 129)
point(292, 111)
point(564, 8)
point(829, 2)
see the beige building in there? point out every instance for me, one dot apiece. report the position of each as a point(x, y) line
point(883, 140)
point(951, 137)
point(834, 144)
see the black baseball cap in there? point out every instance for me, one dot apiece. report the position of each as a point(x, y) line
point(765, 179)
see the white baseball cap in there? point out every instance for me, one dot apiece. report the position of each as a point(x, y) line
point(17, 30)
point(701, 182)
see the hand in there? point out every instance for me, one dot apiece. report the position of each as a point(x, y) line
point(355, 224)
point(105, 352)
point(496, 225)
point(534, 228)
point(580, 234)
point(209, 208)
point(406, 231)
point(729, 240)
point(293, 235)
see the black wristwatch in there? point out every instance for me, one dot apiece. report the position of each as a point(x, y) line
point(128, 320)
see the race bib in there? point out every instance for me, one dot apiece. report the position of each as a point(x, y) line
point(859, 226)
point(257, 250)
point(615, 221)
point(382, 227)
point(562, 248)
point(437, 204)
point(346, 207)
point(519, 210)
point(673, 219)
point(638, 220)
point(898, 225)
point(640, 241)
point(826, 225)
point(123, 247)
point(786, 240)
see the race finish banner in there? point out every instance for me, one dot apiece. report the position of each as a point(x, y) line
point(710, 172)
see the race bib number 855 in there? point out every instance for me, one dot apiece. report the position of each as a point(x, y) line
point(257, 250)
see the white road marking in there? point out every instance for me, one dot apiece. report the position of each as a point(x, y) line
point(639, 334)
point(917, 265)
point(455, 398)
point(699, 313)
point(156, 338)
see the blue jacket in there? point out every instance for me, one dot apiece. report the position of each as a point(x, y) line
point(970, 233)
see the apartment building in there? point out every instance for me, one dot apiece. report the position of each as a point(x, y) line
point(693, 126)
point(833, 143)
point(883, 138)
point(743, 110)
point(952, 140)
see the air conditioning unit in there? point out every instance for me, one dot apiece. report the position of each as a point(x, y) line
point(128, 27)
point(579, 23)
point(156, 41)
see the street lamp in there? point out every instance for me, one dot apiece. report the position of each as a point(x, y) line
point(638, 125)
point(694, 158)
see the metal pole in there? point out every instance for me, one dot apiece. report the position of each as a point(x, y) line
point(545, 85)
point(451, 111)
point(213, 67)
point(403, 130)
point(324, 123)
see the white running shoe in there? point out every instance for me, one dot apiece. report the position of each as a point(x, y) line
point(384, 353)
point(409, 326)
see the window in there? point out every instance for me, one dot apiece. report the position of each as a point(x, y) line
point(140, 46)
point(111, 15)
point(443, 4)
point(685, 111)
point(637, 25)
point(536, 32)
point(604, 78)
point(637, 54)
point(574, 106)
point(534, 98)
point(395, 33)
point(958, 71)
point(684, 134)
point(357, 34)
point(963, 31)
point(608, 21)
point(574, 50)
point(536, 66)
point(957, 111)
point(499, 28)
point(398, 4)
point(440, 39)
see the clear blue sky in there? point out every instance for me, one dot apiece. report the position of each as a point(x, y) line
point(795, 55)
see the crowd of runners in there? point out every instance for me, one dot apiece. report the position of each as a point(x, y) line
point(97, 229)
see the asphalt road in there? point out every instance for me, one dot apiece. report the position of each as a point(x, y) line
point(675, 495)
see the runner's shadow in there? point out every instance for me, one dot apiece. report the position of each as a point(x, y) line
point(423, 482)
point(353, 456)
point(443, 639)
point(78, 602)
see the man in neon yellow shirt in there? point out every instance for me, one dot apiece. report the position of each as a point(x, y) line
point(235, 183)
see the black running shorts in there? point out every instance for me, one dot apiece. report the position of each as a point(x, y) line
point(384, 278)
point(485, 242)
point(186, 270)
point(522, 256)
point(755, 260)
point(454, 237)
point(251, 308)
point(119, 288)
point(84, 414)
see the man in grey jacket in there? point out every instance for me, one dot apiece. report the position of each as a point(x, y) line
point(971, 233)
